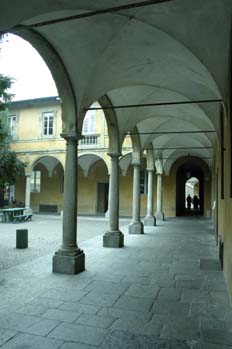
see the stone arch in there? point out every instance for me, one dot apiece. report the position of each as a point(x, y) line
point(136, 146)
point(93, 184)
point(111, 121)
point(50, 166)
point(47, 184)
point(87, 160)
point(125, 162)
point(185, 168)
point(150, 157)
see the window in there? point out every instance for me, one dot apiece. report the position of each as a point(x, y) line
point(48, 123)
point(12, 124)
point(35, 182)
point(89, 125)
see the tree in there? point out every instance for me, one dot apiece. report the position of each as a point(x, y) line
point(5, 97)
point(10, 166)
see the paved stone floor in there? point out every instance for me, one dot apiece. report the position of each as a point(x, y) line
point(164, 289)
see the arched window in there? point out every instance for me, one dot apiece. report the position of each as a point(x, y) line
point(89, 125)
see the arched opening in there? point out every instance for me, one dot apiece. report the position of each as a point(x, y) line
point(93, 185)
point(47, 185)
point(189, 182)
point(192, 195)
point(18, 59)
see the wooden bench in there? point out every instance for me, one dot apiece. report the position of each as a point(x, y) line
point(22, 218)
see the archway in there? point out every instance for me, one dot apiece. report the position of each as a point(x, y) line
point(47, 180)
point(191, 191)
point(184, 174)
point(93, 185)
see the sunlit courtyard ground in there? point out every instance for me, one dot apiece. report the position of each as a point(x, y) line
point(44, 237)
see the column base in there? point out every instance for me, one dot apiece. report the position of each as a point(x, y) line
point(150, 221)
point(113, 239)
point(136, 228)
point(159, 216)
point(28, 210)
point(68, 264)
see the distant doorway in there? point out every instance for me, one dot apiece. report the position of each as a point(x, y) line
point(102, 197)
point(189, 181)
point(192, 194)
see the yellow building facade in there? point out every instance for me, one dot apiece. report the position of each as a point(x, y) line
point(36, 127)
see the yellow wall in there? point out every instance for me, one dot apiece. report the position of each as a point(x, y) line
point(87, 187)
point(169, 195)
point(51, 189)
point(225, 217)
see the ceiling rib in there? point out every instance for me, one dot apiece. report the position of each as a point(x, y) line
point(186, 157)
point(170, 132)
point(176, 148)
point(97, 12)
point(154, 104)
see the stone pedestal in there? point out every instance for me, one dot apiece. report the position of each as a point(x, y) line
point(159, 216)
point(150, 221)
point(67, 264)
point(136, 228)
point(113, 239)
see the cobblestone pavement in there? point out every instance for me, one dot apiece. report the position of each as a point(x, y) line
point(44, 236)
point(164, 289)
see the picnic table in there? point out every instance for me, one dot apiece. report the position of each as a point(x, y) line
point(13, 214)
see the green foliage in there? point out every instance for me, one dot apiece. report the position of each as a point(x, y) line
point(10, 166)
point(5, 97)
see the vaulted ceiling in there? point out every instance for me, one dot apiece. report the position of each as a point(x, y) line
point(155, 52)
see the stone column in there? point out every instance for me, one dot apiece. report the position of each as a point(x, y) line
point(113, 237)
point(136, 226)
point(69, 259)
point(159, 213)
point(150, 218)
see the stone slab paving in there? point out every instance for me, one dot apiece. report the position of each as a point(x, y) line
point(164, 289)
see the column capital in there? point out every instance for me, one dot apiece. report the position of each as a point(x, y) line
point(135, 163)
point(114, 155)
point(150, 169)
point(28, 174)
point(71, 136)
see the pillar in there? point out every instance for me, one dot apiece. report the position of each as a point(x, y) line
point(28, 191)
point(136, 226)
point(150, 219)
point(69, 259)
point(113, 237)
point(159, 213)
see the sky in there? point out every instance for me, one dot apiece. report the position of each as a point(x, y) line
point(19, 60)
